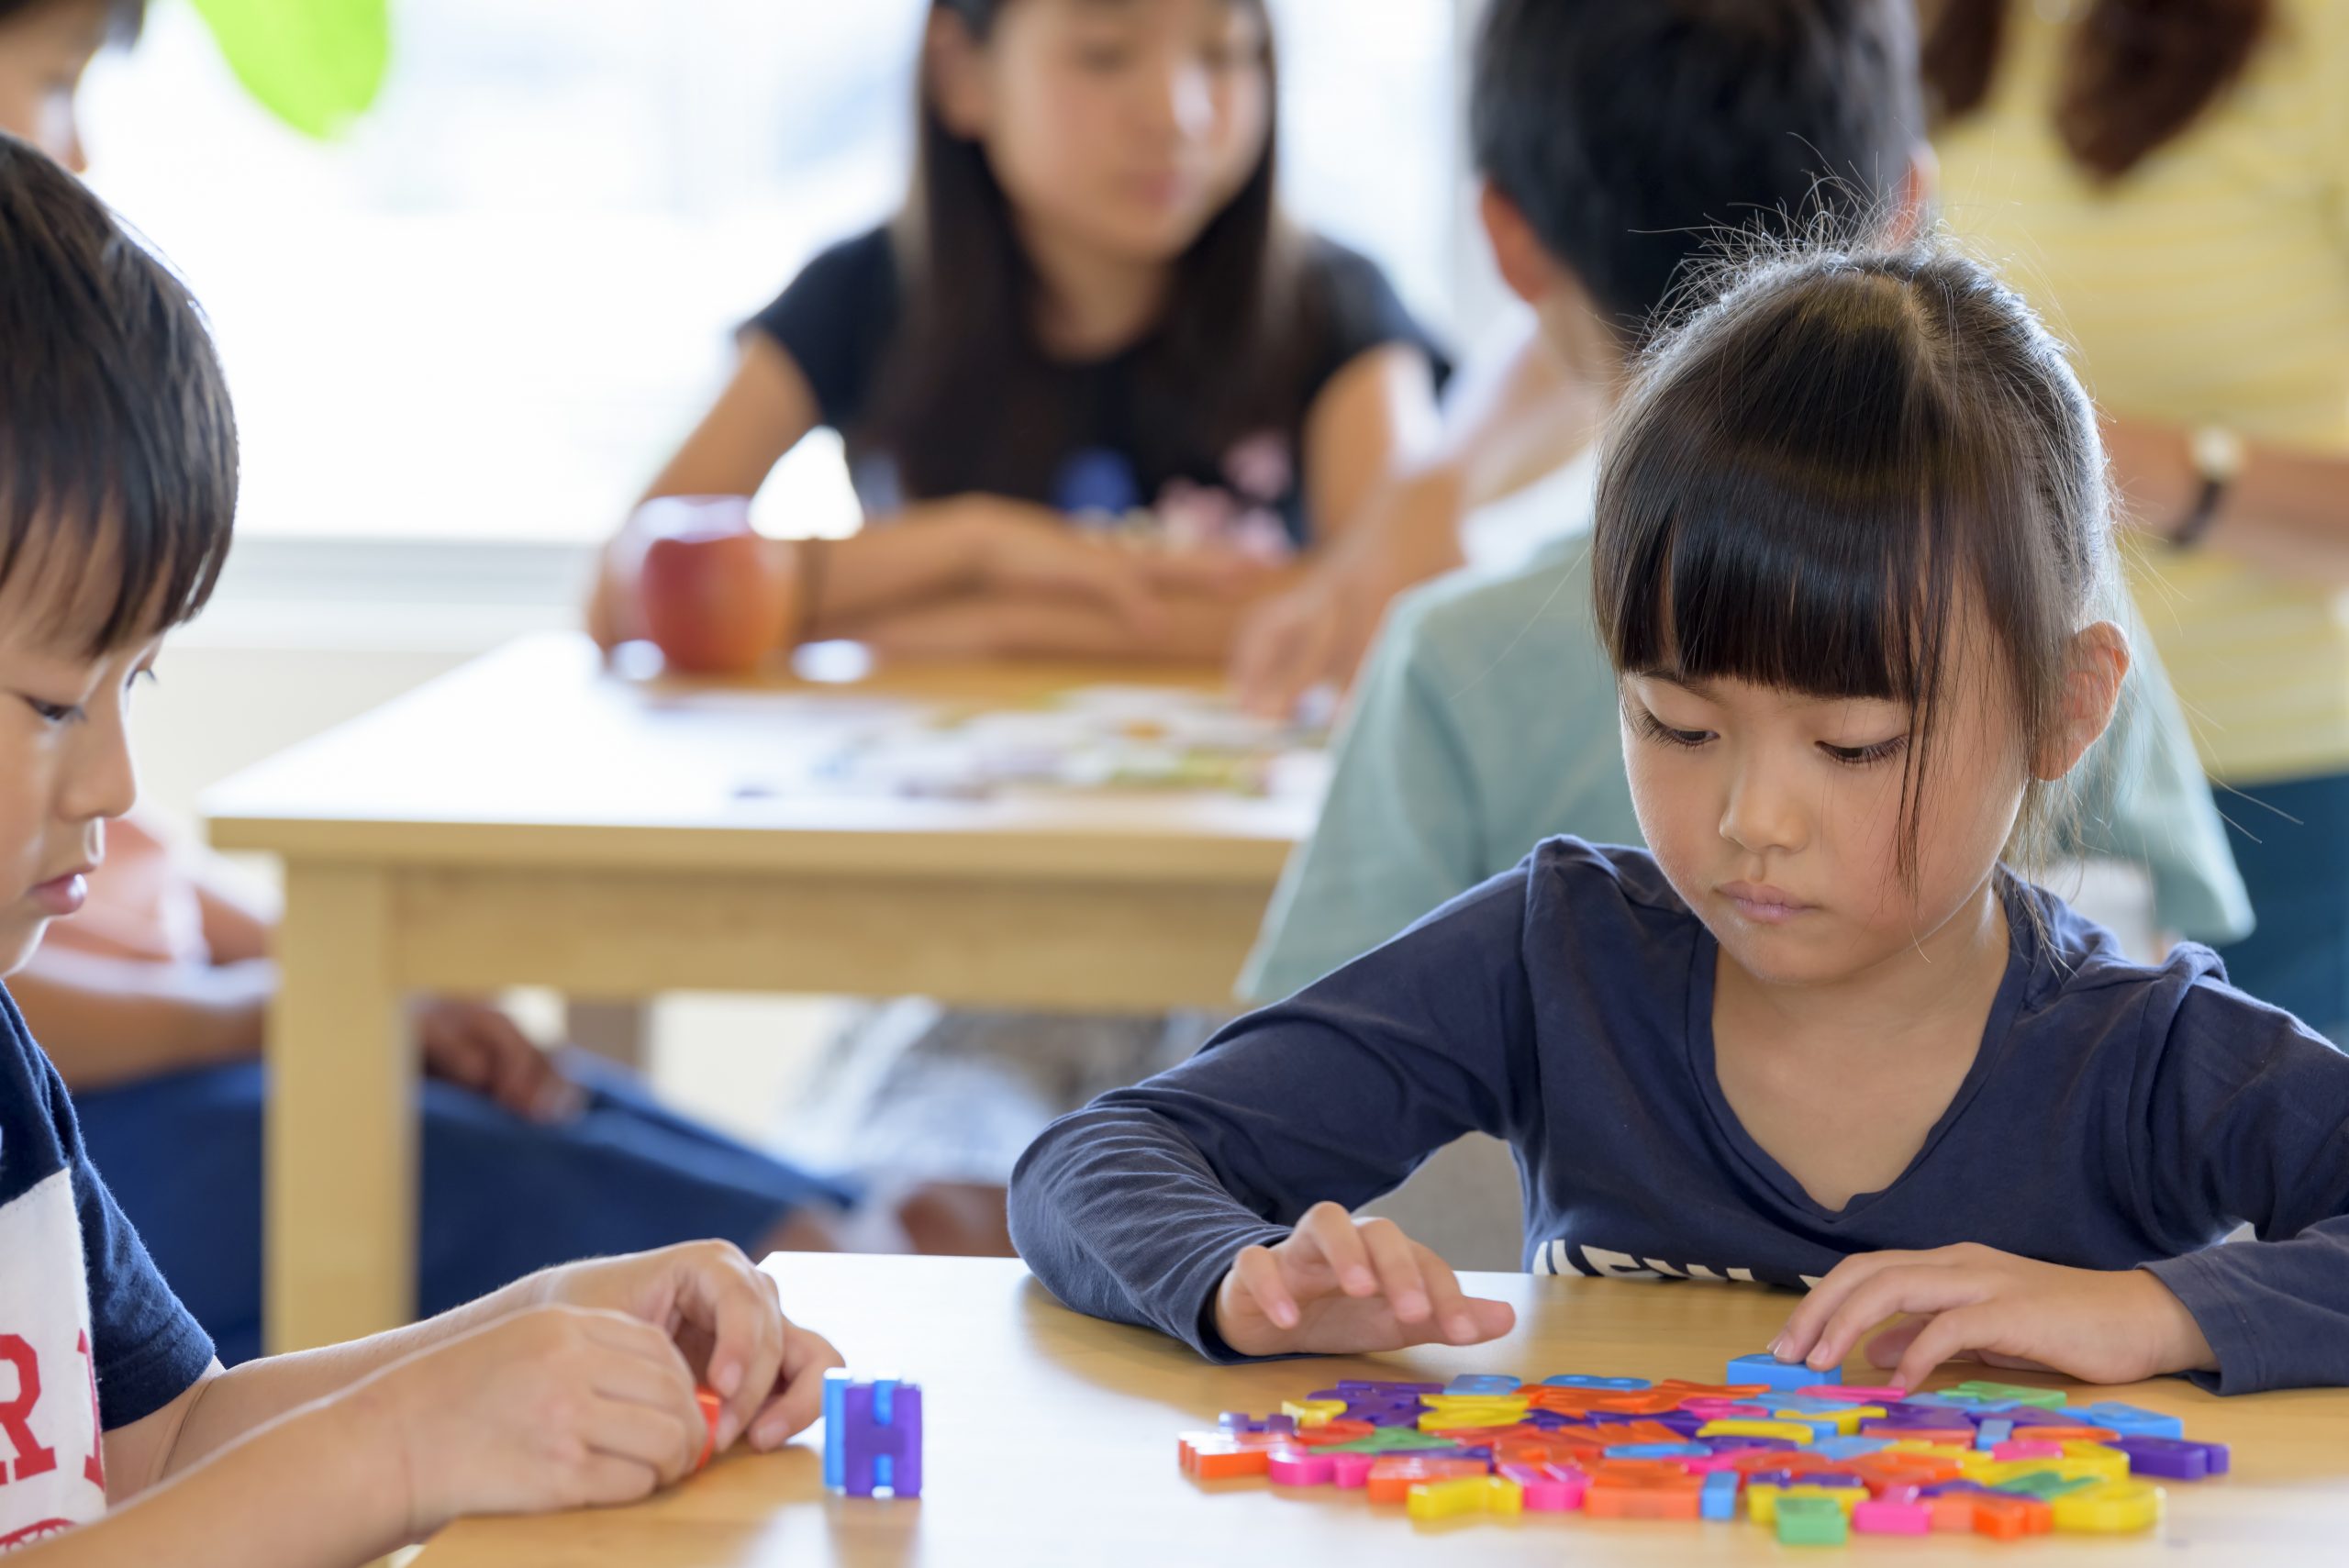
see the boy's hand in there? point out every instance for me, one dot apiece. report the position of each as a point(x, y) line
point(1339, 1286)
point(553, 1408)
point(726, 1318)
point(1976, 1302)
point(1319, 631)
point(1290, 644)
point(476, 1047)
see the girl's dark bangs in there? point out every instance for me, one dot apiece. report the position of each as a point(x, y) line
point(1782, 514)
point(1857, 475)
point(1743, 576)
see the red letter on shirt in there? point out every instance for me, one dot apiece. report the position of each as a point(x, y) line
point(15, 1417)
point(93, 1469)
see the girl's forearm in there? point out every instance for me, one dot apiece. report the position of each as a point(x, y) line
point(921, 554)
point(1194, 629)
point(308, 1489)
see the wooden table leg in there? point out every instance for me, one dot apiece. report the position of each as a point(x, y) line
point(340, 1169)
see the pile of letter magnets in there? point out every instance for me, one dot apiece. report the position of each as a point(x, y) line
point(1806, 1455)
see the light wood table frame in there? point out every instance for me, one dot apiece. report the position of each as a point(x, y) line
point(1050, 1443)
point(532, 819)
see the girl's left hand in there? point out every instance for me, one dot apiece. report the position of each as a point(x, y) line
point(727, 1317)
point(1970, 1302)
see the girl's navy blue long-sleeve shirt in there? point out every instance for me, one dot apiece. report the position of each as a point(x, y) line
point(2117, 1116)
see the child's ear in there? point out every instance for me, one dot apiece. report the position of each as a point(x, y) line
point(953, 67)
point(1518, 252)
point(2095, 667)
point(1914, 204)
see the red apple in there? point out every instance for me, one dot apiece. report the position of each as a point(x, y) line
point(715, 597)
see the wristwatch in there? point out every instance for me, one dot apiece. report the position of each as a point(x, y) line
point(2217, 455)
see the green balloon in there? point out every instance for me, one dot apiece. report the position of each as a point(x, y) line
point(315, 64)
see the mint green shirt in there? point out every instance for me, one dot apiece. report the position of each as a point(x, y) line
point(1487, 721)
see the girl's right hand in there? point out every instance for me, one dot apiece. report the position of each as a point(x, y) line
point(1339, 1286)
point(546, 1408)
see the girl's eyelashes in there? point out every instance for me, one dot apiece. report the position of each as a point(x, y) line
point(1656, 729)
point(1861, 756)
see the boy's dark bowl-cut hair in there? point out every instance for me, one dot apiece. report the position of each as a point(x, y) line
point(117, 444)
point(1820, 472)
point(1634, 134)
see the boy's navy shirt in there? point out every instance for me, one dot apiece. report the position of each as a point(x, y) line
point(2115, 1115)
point(80, 1300)
point(839, 320)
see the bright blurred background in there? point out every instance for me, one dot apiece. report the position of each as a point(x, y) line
point(463, 336)
point(489, 312)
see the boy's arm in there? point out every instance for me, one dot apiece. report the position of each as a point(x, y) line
point(106, 1020)
point(1135, 1207)
point(1400, 830)
point(224, 1409)
point(572, 1388)
point(309, 1489)
point(703, 1291)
